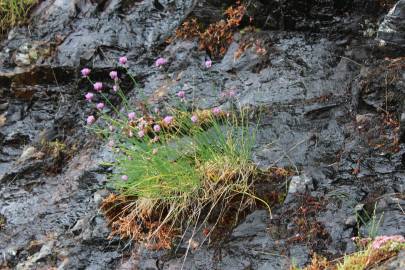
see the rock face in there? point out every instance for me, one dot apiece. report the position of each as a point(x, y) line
point(392, 29)
point(332, 104)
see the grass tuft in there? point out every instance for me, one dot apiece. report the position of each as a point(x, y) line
point(176, 168)
point(193, 168)
point(13, 12)
point(371, 255)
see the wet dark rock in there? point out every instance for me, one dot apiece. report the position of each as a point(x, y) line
point(392, 29)
point(331, 109)
point(249, 246)
point(299, 184)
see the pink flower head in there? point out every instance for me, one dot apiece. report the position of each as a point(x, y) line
point(160, 62)
point(124, 178)
point(98, 86)
point(111, 143)
point(232, 93)
point(168, 120)
point(90, 120)
point(115, 88)
point(85, 72)
point(131, 116)
point(208, 63)
point(181, 94)
point(89, 96)
point(114, 75)
point(216, 111)
point(194, 118)
point(381, 241)
point(100, 106)
point(156, 128)
point(141, 133)
point(123, 60)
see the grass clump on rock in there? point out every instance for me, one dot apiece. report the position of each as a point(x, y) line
point(176, 170)
point(372, 253)
point(13, 12)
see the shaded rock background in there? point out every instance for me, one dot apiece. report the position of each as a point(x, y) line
point(333, 104)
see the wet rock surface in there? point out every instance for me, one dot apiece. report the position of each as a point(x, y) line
point(331, 104)
point(392, 28)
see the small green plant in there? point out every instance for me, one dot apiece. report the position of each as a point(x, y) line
point(380, 249)
point(13, 12)
point(371, 253)
point(371, 222)
point(174, 170)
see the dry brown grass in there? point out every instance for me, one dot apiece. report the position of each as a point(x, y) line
point(217, 37)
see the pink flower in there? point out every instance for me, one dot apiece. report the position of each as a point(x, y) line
point(380, 241)
point(141, 133)
point(114, 75)
point(124, 178)
point(156, 128)
point(100, 106)
point(160, 62)
point(90, 120)
point(208, 63)
point(130, 134)
point(181, 94)
point(216, 111)
point(115, 88)
point(111, 143)
point(168, 120)
point(98, 86)
point(232, 93)
point(85, 72)
point(155, 139)
point(194, 118)
point(123, 60)
point(131, 116)
point(89, 96)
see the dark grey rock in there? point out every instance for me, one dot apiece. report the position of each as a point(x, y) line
point(318, 86)
point(392, 29)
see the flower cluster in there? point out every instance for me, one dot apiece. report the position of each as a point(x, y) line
point(169, 155)
point(142, 125)
point(98, 87)
point(381, 241)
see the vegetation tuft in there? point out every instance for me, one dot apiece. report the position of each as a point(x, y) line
point(180, 169)
point(13, 12)
point(217, 37)
point(371, 254)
